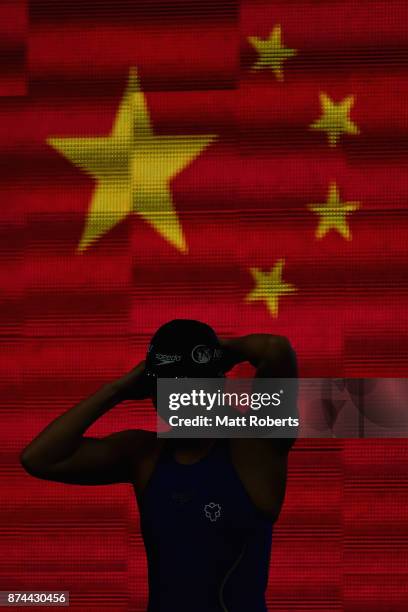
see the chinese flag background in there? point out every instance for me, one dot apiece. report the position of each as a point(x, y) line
point(158, 160)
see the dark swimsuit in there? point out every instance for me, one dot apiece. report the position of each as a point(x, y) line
point(208, 547)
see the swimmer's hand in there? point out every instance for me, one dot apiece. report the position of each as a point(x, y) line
point(270, 354)
point(134, 385)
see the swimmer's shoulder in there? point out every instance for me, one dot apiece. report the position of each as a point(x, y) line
point(144, 450)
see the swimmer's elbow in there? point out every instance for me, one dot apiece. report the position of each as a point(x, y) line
point(28, 463)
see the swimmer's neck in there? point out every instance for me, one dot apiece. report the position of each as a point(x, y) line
point(190, 450)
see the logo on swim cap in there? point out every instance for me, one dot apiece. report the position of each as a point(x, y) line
point(201, 353)
point(212, 511)
point(166, 359)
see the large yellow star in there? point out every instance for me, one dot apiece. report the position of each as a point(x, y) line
point(335, 119)
point(271, 51)
point(133, 168)
point(269, 287)
point(333, 214)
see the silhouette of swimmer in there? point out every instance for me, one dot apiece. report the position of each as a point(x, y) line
point(207, 507)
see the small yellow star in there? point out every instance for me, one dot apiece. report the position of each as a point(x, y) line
point(335, 119)
point(271, 52)
point(133, 168)
point(269, 287)
point(333, 214)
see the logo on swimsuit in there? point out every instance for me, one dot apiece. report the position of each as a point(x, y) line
point(212, 511)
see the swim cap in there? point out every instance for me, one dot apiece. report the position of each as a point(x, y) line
point(184, 347)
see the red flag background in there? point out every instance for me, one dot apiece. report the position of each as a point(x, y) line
point(103, 243)
point(13, 47)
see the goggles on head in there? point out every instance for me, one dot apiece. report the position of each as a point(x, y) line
point(154, 376)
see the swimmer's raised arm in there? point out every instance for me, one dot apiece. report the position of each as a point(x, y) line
point(62, 453)
point(271, 355)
